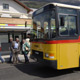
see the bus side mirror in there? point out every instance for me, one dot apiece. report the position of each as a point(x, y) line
point(62, 21)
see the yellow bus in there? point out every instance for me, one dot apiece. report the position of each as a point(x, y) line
point(56, 36)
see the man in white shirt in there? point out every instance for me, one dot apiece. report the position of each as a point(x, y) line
point(16, 50)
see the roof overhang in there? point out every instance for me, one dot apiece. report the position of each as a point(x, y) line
point(14, 29)
point(28, 9)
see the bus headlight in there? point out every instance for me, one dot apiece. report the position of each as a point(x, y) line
point(47, 55)
point(51, 56)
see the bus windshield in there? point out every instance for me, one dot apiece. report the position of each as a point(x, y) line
point(44, 25)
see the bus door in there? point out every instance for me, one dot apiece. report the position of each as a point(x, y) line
point(68, 52)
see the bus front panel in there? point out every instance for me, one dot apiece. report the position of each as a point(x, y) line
point(45, 53)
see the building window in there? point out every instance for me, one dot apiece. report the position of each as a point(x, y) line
point(5, 6)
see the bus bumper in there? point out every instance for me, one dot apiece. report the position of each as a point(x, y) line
point(50, 63)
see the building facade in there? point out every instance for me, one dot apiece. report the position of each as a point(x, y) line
point(14, 21)
point(13, 9)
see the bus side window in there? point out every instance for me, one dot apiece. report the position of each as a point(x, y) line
point(63, 25)
point(34, 30)
point(39, 33)
point(62, 21)
point(53, 28)
point(68, 27)
point(46, 29)
point(72, 25)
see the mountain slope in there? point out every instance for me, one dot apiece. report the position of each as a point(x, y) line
point(39, 3)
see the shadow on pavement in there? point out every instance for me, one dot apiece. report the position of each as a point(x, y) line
point(36, 69)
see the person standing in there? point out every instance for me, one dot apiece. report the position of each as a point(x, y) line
point(16, 51)
point(11, 49)
point(1, 58)
point(28, 41)
point(25, 50)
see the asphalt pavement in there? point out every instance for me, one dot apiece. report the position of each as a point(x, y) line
point(36, 71)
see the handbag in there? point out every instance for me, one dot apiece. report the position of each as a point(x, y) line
point(27, 49)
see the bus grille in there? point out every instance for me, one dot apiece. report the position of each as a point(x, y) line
point(37, 54)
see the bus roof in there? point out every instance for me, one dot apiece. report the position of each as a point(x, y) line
point(65, 5)
point(57, 4)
